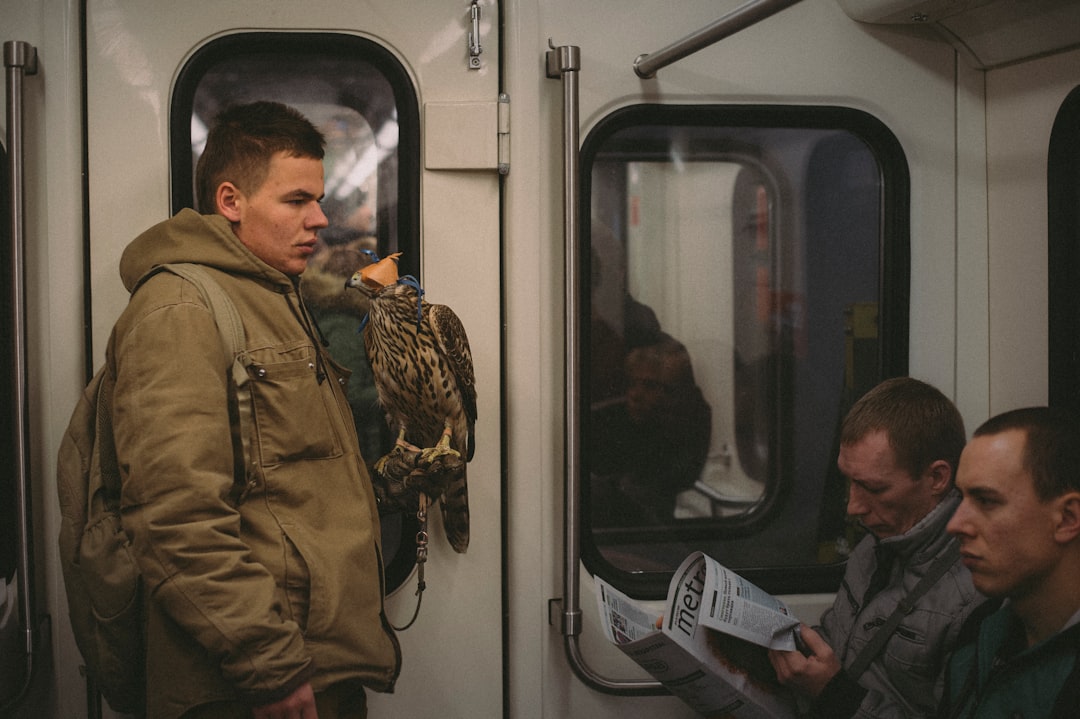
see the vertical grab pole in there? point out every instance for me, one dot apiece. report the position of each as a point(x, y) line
point(564, 62)
point(20, 58)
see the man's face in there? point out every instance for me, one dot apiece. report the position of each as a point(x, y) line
point(279, 221)
point(1006, 533)
point(886, 499)
point(645, 390)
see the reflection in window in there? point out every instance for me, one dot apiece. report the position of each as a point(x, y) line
point(735, 301)
point(362, 101)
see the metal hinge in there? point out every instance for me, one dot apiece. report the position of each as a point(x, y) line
point(504, 133)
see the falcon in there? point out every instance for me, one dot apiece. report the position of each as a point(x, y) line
point(423, 370)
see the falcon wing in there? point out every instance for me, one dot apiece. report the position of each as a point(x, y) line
point(454, 345)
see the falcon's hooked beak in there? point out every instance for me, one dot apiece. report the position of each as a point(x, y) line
point(374, 277)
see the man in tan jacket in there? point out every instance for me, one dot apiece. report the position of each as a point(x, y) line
point(261, 558)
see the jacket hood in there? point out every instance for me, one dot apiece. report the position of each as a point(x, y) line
point(191, 237)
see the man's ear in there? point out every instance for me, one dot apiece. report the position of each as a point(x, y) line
point(228, 198)
point(941, 476)
point(1067, 526)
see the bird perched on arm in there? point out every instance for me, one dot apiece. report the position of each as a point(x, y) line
point(423, 371)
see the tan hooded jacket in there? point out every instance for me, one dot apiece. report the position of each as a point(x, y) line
point(264, 574)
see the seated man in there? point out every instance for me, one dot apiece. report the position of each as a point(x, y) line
point(652, 443)
point(899, 446)
point(1019, 532)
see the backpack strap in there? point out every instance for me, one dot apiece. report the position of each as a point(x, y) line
point(229, 324)
point(231, 329)
point(877, 642)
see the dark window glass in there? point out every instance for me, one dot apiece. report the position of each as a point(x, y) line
point(748, 279)
point(1063, 251)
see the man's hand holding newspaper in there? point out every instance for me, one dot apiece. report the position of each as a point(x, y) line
point(710, 645)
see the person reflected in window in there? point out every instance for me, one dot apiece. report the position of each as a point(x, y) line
point(651, 443)
point(619, 323)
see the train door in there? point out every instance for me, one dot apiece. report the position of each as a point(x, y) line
point(407, 95)
point(740, 219)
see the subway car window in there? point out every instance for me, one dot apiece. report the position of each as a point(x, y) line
point(1063, 253)
point(362, 100)
point(747, 281)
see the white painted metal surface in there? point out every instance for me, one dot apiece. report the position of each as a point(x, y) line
point(975, 144)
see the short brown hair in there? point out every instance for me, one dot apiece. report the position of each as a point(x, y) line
point(1051, 446)
point(668, 354)
point(922, 424)
point(241, 143)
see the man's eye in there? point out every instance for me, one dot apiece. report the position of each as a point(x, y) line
point(981, 501)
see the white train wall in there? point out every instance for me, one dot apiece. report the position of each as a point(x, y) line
point(971, 103)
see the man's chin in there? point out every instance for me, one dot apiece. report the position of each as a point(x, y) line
point(880, 531)
point(984, 583)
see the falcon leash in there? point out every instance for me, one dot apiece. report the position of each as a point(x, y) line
point(421, 557)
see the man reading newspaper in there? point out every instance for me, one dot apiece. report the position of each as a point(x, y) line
point(899, 448)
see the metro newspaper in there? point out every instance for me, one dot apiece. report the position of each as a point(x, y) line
point(710, 647)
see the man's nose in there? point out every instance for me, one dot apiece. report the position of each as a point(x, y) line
point(855, 506)
point(958, 523)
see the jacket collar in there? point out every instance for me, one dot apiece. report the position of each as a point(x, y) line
point(926, 539)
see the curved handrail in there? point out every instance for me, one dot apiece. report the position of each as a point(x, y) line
point(564, 62)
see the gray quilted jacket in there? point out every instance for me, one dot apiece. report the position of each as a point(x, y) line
point(906, 679)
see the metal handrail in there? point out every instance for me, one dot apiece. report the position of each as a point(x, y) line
point(564, 62)
point(742, 17)
point(20, 59)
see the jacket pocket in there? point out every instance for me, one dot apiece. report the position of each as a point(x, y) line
point(909, 650)
point(292, 415)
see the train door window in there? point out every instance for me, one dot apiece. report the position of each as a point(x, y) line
point(1063, 250)
point(362, 99)
point(748, 279)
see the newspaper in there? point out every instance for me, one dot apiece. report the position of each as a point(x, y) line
point(710, 647)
